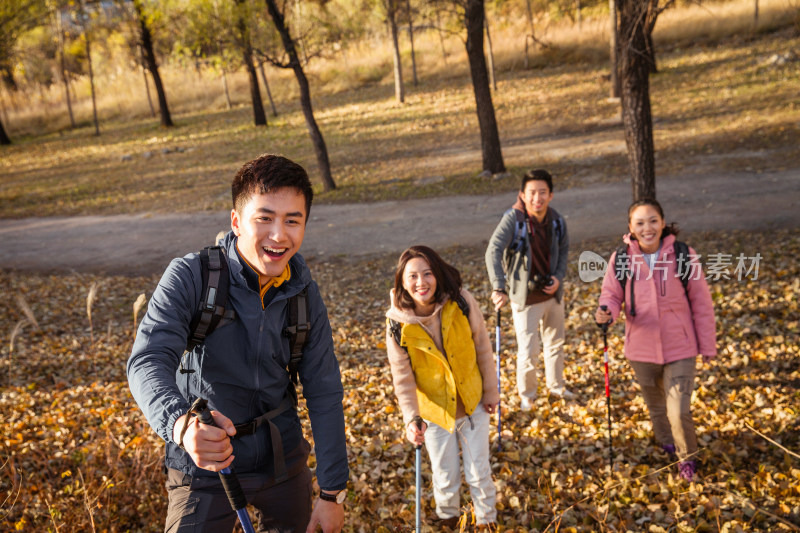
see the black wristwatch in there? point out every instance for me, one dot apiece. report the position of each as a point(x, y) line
point(339, 497)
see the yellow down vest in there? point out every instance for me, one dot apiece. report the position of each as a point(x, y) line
point(440, 376)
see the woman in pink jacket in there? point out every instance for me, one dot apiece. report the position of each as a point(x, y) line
point(666, 325)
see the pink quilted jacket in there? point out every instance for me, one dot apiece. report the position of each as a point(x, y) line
point(666, 327)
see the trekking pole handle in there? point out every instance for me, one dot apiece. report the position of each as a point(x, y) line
point(229, 480)
point(604, 326)
point(418, 421)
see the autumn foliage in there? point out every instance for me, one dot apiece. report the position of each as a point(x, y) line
point(77, 455)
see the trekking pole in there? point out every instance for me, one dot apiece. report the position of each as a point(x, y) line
point(229, 480)
point(418, 468)
point(604, 327)
point(497, 350)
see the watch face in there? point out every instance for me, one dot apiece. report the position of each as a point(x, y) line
point(341, 496)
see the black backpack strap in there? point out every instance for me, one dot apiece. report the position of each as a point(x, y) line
point(462, 304)
point(214, 296)
point(682, 260)
point(297, 331)
point(622, 271)
point(396, 328)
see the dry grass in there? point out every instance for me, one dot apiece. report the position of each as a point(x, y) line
point(719, 103)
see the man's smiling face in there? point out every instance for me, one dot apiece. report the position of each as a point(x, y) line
point(270, 227)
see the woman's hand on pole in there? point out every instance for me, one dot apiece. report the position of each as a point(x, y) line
point(603, 316)
point(209, 447)
point(499, 298)
point(414, 434)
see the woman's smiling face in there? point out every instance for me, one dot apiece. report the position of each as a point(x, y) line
point(646, 224)
point(419, 282)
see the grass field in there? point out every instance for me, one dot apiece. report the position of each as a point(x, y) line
point(723, 99)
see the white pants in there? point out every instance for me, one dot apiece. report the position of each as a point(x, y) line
point(472, 435)
point(528, 320)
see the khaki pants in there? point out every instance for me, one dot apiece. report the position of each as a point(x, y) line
point(667, 391)
point(545, 318)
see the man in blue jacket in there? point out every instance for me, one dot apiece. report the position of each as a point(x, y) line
point(527, 261)
point(241, 369)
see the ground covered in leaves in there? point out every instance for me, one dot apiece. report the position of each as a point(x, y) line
point(76, 454)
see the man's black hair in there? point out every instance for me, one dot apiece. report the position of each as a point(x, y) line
point(269, 173)
point(538, 175)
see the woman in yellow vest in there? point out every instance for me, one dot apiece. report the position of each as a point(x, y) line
point(443, 371)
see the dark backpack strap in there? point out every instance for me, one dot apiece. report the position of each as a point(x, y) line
point(622, 271)
point(559, 228)
point(462, 304)
point(520, 232)
point(682, 260)
point(396, 328)
point(278, 457)
point(214, 296)
point(297, 331)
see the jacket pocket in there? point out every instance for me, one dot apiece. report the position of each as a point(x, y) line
point(674, 331)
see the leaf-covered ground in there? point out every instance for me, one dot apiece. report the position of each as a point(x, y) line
point(76, 455)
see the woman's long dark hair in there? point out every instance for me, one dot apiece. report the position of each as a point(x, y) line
point(448, 278)
point(669, 229)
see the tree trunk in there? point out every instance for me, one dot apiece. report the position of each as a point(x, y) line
point(91, 70)
point(147, 91)
point(266, 86)
point(225, 88)
point(259, 117)
point(391, 16)
point(755, 15)
point(411, 40)
point(62, 66)
point(152, 65)
point(490, 138)
point(634, 65)
point(4, 138)
point(529, 12)
point(305, 96)
point(441, 37)
point(578, 13)
point(614, 50)
point(651, 53)
point(492, 77)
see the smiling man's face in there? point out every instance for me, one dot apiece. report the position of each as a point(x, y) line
point(270, 228)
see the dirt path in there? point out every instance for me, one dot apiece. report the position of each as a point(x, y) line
point(144, 244)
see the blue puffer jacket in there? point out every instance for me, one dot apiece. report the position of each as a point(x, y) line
point(240, 370)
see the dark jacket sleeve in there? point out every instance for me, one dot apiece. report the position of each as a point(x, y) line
point(159, 346)
point(322, 389)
